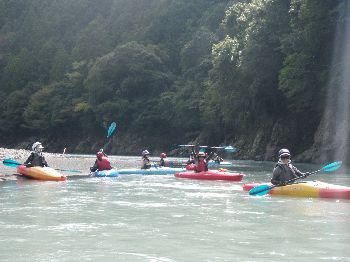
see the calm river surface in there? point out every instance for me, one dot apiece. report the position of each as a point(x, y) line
point(161, 218)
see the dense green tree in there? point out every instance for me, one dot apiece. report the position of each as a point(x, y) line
point(206, 71)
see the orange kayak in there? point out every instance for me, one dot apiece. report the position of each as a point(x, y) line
point(41, 173)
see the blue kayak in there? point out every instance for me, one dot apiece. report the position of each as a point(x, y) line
point(150, 171)
point(106, 173)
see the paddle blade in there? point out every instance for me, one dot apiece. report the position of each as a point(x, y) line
point(332, 166)
point(260, 190)
point(10, 162)
point(111, 129)
point(230, 149)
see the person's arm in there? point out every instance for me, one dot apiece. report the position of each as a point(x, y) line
point(276, 176)
point(29, 160)
point(44, 163)
point(211, 154)
point(299, 173)
point(94, 167)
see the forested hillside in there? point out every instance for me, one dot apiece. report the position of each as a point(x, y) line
point(252, 73)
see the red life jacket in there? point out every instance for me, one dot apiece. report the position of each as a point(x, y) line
point(202, 166)
point(104, 164)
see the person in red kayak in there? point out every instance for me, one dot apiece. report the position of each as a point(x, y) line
point(202, 163)
point(36, 157)
point(102, 162)
point(284, 170)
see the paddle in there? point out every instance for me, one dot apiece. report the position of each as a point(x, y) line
point(111, 129)
point(13, 163)
point(229, 149)
point(265, 189)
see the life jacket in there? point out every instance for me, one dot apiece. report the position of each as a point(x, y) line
point(104, 164)
point(36, 159)
point(162, 162)
point(202, 166)
point(146, 163)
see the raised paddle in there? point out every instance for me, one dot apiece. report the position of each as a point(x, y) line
point(229, 149)
point(262, 190)
point(13, 163)
point(111, 129)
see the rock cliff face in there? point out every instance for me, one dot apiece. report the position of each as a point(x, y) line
point(261, 144)
point(331, 142)
point(325, 145)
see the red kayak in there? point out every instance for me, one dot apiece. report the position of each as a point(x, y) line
point(211, 175)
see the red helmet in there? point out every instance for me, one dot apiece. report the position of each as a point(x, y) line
point(163, 155)
point(99, 155)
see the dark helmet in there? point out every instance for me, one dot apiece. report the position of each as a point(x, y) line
point(283, 152)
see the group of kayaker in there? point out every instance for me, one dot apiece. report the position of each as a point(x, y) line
point(283, 172)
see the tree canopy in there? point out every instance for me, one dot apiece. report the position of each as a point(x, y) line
point(168, 71)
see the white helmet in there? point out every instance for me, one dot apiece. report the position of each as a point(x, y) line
point(145, 152)
point(36, 146)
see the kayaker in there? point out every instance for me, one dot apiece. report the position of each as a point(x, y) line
point(102, 162)
point(36, 157)
point(146, 163)
point(218, 159)
point(284, 170)
point(202, 163)
point(162, 161)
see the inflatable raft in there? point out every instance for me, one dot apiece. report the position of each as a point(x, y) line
point(41, 173)
point(211, 175)
point(308, 189)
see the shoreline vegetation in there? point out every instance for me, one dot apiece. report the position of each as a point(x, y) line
point(170, 72)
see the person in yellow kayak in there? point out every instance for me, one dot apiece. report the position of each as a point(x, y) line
point(146, 163)
point(101, 163)
point(284, 170)
point(36, 157)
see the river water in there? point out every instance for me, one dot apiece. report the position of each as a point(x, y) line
point(161, 218)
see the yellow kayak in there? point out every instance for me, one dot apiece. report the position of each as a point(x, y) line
point(308, 189)
point(41, 173)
